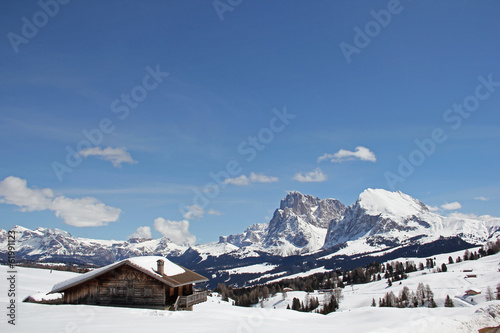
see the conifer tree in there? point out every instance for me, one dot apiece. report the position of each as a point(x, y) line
point(448, 302)
point(296, 304)
point(432, 304)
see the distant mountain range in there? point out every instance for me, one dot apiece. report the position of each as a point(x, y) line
point(304, 233)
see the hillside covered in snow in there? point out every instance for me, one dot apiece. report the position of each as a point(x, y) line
point(355, 313)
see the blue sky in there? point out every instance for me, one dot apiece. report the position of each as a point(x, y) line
point(324, 97)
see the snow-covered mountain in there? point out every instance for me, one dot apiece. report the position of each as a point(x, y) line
point(381, 216)
point(298, 226)
point(43, 244)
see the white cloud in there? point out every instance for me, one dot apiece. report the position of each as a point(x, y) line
point(261, 178)
point(254, 178)
point(451, 206)
point(142, 232)
point(117, 156)
point(313, 176)
point(238, 181)
point(433, 208)
point(82, 212)
point(194, 212)
point(214, 212)
point(481, 198)
point(14, 191)
point(362, 153)
point(176, 231)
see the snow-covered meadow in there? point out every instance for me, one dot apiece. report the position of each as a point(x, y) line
point(355, 314)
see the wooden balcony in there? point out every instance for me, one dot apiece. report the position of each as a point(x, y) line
point(186, 302)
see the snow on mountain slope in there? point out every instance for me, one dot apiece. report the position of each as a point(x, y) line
point(252, 235)
point(390, 204)
point(453, 282)
point(257, 268)
point(43, 244)
point(215, 315)
point(382, 217)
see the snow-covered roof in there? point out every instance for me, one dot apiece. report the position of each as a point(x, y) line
point(40, 297)
point(476, 290)
point(173, 275)
point(150, 263)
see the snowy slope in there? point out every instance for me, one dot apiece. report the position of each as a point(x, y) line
point(355, 314)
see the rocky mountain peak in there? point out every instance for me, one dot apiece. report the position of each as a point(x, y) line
point(316, 211)
point(298, 202)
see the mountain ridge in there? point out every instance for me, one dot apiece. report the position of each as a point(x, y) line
point(304, 232)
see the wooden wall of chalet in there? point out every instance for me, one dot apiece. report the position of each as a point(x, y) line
point(124, 286)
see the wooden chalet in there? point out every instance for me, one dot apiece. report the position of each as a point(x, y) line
point(472, 292)
point(151, 281)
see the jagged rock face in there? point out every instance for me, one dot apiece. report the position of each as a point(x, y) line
point(302, 221)
point(298, 226)
point(355, 224)
point(316, 211)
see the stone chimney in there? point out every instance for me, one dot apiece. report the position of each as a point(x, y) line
point(161, 265)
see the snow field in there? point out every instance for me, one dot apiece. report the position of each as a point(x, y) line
point(355, 314)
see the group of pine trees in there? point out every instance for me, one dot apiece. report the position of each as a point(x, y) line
point(423, 296)
point(249, 296)
point(76, 268)
point(331, 303)
point(311, 304)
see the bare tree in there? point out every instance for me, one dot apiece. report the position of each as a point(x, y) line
point(489, 294)
point(337, 293)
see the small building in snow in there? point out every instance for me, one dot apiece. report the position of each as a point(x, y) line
point(149, 281)
point(472, 292)
point(471, 276)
